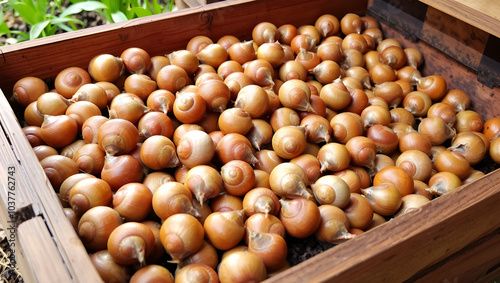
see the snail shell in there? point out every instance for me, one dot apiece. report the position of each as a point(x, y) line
point(95, 226)
point(172, 198)
point(385, 198)
point(261, 200)
point(224, 230)
point(237, 177)
point(289, 141)
point(296, 94)
point(334, 225)
point(181, 234)
point(289, 180)
point(235, 146)
point(195, 148)
point(204, 182)
point(158, 152)
point(300, 217)
point(130, 243)
point(331, 189)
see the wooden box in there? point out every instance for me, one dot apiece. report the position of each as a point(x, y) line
point(454, 238)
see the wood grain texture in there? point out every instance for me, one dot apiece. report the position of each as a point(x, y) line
point(37, 245)
point(476, 262)
point(456, 38)
point(483, 14)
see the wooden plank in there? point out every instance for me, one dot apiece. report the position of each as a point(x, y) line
point(400, 248)
point(38, 248)
point(406, 16)
point(454, 37)
point(13, 183)
point(478, 261)
point(483, 14)
point(159, 34)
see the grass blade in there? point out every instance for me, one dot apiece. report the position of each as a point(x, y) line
point(37, 29)
point(83, 6)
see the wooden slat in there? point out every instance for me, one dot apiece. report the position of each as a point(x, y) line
point(483, 14)
point(458, 39)
point(477, 262)
point(400, 248)
point(38, 248)
point(12, 197)
point(15, 190)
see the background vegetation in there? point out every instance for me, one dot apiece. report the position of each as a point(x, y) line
point(47, 17)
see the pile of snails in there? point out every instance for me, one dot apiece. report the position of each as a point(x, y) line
point(212, 156)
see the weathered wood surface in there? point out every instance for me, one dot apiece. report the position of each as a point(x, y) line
point(478, 262)
point(483, 14)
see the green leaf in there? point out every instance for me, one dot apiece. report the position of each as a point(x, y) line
point(83, 6)
point(119, 16)
point(169, 7)
point(37, 29)
point(27, 13)
point(114, 5)
point(58, 21)
point(65, 27)
point(4, 29)
point(50, 30)
point(141, 12)
point(41, 8)
point(156, 7)
point(3, 26)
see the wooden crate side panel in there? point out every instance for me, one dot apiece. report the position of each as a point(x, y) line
point(483, 14)
point(158, 34)
point(13, 183)
point(454, 37)
point(38, 247)
point(400, 248)
point(478, 262)
point(12, 197)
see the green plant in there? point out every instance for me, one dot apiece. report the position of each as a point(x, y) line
point(122, 10)
point(50, 17)
point(45, 18)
